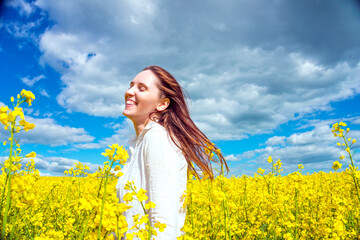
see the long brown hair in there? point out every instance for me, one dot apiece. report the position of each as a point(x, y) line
point(195, 146)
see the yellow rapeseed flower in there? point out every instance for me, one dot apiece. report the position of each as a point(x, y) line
point(31, 155)
point(149, 205)
point(128, 197)
point(261, 171)
point(336, 165)
point(141, 196)
point(160, 226)
point(342, 124)
point(28, 95)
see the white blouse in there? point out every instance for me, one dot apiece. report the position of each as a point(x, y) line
point(159, 167)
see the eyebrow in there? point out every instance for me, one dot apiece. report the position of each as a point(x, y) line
point(140, 83)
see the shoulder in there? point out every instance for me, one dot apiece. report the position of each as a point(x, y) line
point(158, 139)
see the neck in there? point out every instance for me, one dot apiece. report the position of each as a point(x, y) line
point(139, 127)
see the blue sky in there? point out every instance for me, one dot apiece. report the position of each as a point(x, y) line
point(264, 77)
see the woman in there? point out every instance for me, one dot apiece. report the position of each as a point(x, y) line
point(168, 144)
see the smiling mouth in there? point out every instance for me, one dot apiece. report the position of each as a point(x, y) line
point(130, 103)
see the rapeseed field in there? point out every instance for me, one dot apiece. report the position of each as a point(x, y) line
point(83, 205)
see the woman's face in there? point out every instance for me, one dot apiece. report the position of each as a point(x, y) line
point(142, 98)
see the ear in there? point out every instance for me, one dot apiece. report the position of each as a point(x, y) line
point(164, 103)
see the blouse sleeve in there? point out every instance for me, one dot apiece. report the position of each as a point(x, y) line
point(163, 178)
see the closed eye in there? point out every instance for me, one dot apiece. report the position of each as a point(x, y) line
point(142, 87)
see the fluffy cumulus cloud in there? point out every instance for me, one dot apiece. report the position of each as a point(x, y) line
point(248, 66)
point(124, 133)
point(56, 166)
point(316, 149)
point(259, 95)
point(49, 132)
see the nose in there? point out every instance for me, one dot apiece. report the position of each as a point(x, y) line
point(129, 92)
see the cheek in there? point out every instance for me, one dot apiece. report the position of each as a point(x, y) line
point(151, 103)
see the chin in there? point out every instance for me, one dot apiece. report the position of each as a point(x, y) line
point(126, 114)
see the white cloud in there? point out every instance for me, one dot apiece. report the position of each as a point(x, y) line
point(231, 157)
point(25, 8)
point(251, 96)
point(48, 115)
point(25, 31)
point(276, 140)
point(28, 111)
point(45, 174)
point(112, 125)
point(355, 120)
point(243, 78)
point(36, 113)
point(316, 149)
point(44, 93)
point(55, 166)
point(30, 82)
point(123, 133)
point(49, 132)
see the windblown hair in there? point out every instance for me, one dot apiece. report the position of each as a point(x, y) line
point(182, 130)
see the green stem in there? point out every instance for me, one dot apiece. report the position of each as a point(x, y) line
point(85, 228)
point(352, 164)
point(117, 227)
point(143, 207)
point(100, 186)
point(225, 218)
point(79, 186)
point(3, 194)
point(296, 213)
point(5, 217)
point(191, 203)
point(103, 199)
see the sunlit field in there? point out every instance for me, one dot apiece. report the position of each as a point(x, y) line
point(267, 205)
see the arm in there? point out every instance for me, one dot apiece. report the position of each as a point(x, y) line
point(163, 176)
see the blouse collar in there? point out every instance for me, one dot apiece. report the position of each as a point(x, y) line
point(148, 126)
